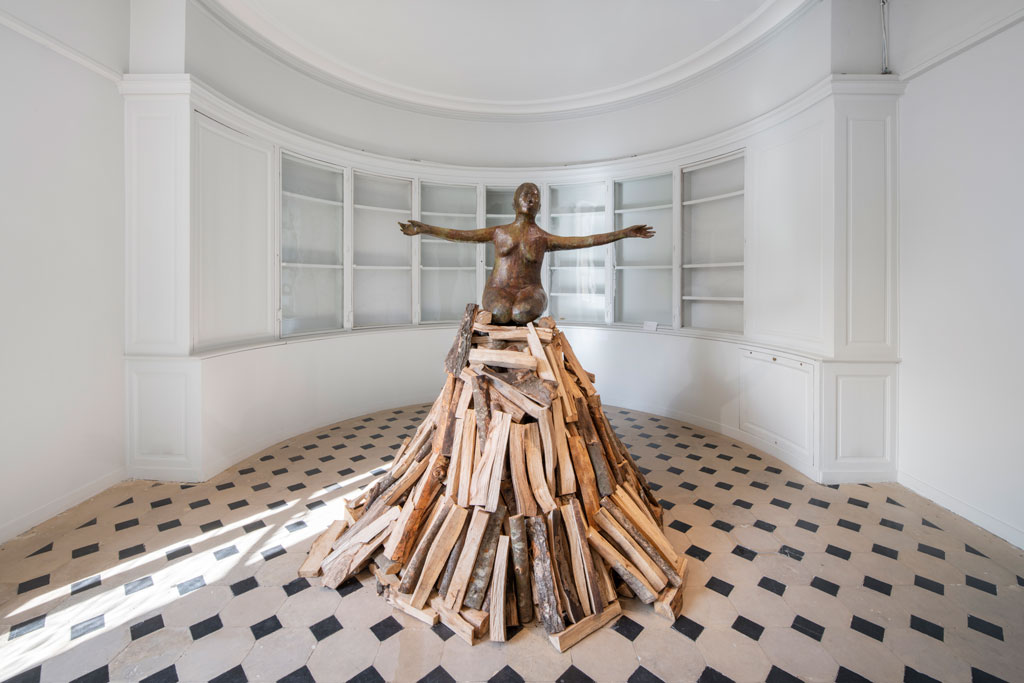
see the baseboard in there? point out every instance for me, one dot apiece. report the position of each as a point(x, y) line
point(986, 521)
point(733, 433)
point(857, 476)
point(12, 528)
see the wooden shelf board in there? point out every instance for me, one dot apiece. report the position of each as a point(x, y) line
point(713, 198)
point(309, 198)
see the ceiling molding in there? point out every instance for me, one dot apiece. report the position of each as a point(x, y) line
point(241, 18)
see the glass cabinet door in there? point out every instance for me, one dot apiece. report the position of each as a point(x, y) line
point(447, 269)
point(578, 278)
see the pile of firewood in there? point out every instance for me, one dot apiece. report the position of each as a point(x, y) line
point(513, 497)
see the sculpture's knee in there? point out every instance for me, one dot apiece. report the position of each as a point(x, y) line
point(501, 312)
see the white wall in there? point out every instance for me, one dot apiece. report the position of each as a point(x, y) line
point(61, 265)
point(962, 285)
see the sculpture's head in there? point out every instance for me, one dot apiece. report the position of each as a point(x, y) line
point(527, 199)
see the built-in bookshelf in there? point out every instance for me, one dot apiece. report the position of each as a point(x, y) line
point(578, 281)
point(312, 246)
point(713, 245)
point(643, 267)
point(448, 270)
point(382, 256)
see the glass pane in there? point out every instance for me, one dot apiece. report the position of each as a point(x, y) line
point(438, 253)
point(656, 251)
point(499, 201)
point(713, 282)
point(459, 199)
point(377, 240)
point(310, 299)
point(579, 225)
point(445, 293)
point(583, 198)
point(643, 295)
point(311, 180)
point(643, 192)
point(711, 181)
point(577, 307)
point(382, 297)
point(386, 193)
point(713, 232)
point(725, 316)
point(310, 231)
point(578, 280)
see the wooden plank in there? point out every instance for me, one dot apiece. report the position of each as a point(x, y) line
point(576, 529)
point(481, 575)
point(509, 391)
point(526, 504)
point(456, 358)
point(626, 545)
point(670, 603)
point(544, 370)
point(641, 540)
point(497, 612)
point(521, 567)
point(566, 473)
point(621, 566)
point(467, 458)
point(415, 564)
point(512, 333)
point(560, 557)
point(547, 440)
point(503, 359)
point(321, 548)
point(464, 569)
point(492, 457)
point(455, 621)
point(584, 475)
point(438, 555)
point(498, 467)
point(577, 632)
point(535, 468)
point(547, 603)
point(577, 369)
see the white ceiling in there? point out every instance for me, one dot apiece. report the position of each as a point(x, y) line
point(505, 58)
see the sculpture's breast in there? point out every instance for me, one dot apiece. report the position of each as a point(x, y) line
point(535, 245)
point(504, 243)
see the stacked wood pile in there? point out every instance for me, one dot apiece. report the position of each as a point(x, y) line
point(514, 499)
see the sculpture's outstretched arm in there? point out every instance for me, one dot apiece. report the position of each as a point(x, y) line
point(450, 234)
point(559, 242)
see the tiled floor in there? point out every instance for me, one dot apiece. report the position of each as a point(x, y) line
point(790, 580)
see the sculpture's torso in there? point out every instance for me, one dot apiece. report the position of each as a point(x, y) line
point(514, 291)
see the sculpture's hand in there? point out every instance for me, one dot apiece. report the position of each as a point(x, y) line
point(411, 228)
point(644, 231)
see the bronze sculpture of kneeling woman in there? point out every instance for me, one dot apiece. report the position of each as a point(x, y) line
point(514, 292)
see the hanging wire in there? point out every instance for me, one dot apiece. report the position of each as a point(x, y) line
point(884, 7)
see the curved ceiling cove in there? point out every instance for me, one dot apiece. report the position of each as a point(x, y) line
point(487, 59)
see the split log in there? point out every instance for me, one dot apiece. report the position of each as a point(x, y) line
point(480, 404)
point(423, 497)
point(601, 472)
point(509, 391)
point(566, 474)
point(492, 459)
point(426, 540)
point(448, 398)
point(621, 566)
point(321, 548)
point(467, 458)
point(584, 567)
point(453, 561)
point(644, 543)
point(512, 333)
point(497, 611)
point(585, 479)
point(351, 560)
point(526, 504)
point(577, 632)
point(456, 622)
point(547, 603)
point(655, 577)
point(554, 360)
point(560, 556)
point(478, 524)
point(521, 567)
point(446, 537)
point(544, 370)
point(535, 468)
point(485, 560)
point(456, 358)
point(670, 603)
point(499, 402)
point(503, 359)
point(550, 454)
point(582, 375)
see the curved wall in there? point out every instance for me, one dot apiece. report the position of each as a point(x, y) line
point(766, 76)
